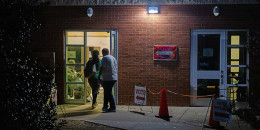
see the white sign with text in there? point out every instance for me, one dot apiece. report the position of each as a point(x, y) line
point(222, 110)
point(140, 95)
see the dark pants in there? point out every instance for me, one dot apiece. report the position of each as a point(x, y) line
point(108, 95)
point(93, 82)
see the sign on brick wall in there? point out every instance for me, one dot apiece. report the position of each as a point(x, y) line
point(163, 52)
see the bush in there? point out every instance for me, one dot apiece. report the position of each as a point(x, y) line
point(25, 83)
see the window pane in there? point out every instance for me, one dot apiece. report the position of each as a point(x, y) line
point(208, 87)
point(75, 91)
point(75, 73)
point(236, 56)
point(98, 41)
point(208, 51)
point(113, 45)
point(237, 37)
point(74, 55)
point(237, 94)
point(236, 75)
point(75, 38)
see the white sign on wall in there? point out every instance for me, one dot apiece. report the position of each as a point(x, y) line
point(208, 52)
point(140, 95)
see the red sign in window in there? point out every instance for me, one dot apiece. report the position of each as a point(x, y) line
point(163, 52)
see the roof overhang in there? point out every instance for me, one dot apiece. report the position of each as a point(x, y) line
point(146, 2)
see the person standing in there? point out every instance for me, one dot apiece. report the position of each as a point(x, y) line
point(108, 71)
point(93, 80)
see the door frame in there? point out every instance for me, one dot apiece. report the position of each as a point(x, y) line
point(115, 32)
point(223, 62)
point(206, 74)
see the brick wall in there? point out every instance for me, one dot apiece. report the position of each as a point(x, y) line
point(138, 32)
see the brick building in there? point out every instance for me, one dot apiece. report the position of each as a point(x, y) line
point(211, 50)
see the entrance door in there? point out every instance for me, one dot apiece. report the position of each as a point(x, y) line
point(207, 65)
point(219, 62)
point(79, 47)
point(114, 52)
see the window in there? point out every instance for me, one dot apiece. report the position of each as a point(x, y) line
point(75, 61)
point(236, 65)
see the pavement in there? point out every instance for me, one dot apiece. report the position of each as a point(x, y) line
point(138, 117)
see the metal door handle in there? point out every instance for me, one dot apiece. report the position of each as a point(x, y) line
point(222, 75)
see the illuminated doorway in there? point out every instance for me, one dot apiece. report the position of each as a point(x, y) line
point(79, 46)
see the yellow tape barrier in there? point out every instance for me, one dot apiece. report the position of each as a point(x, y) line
point(179, 94)
point(153, 92)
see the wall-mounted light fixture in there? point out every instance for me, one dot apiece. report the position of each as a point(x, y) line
point(89, 12)
point(216, 11)
point(153, 9)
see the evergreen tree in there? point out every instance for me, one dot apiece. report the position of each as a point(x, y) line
point(25, 83)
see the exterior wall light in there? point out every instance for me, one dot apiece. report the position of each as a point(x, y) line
point(89, 12)
point(216, 11)
point(153, 9)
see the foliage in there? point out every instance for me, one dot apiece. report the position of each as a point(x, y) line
point(254, 52)
point(254, 45)
point(25, 83)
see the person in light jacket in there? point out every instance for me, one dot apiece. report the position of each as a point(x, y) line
point(108, 71)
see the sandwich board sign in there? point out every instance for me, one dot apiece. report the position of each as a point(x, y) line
point(140, 95)
point(222, 110)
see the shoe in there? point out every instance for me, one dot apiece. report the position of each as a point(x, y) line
point(88, 100)
point(94, 105)
point(104, 109)
point(110, 110)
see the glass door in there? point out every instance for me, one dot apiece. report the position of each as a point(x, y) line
point(219, 62)
point(207, 65)
point(79, 47)
point(74, 67)
point(113, 52)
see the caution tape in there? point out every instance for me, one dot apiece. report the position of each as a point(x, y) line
point(153, 92)
point(179, 94)
point(188, 95)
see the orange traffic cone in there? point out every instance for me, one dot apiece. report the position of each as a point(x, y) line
point(212, 122)
point(163, 111)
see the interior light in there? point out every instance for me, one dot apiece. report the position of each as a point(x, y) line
point(153, 9)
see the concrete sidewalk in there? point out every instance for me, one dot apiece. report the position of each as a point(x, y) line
point(182, 117)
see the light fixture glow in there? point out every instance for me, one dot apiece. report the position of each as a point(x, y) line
point(216, 11)
point(89, 12)
point(153, 9)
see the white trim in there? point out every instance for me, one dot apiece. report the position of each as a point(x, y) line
point(236, 66)
point(195, 74)
point(236, 46)
point(238, 85)
point(115, 32)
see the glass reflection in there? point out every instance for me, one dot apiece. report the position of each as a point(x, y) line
point(208, 51)
point(236, 56)
point(236, 75)
point(208, 87)
point(75, 38)
point(237, 37)
point(75, 73)
point(237, 94)
point(75, 91)
point(76, 54)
